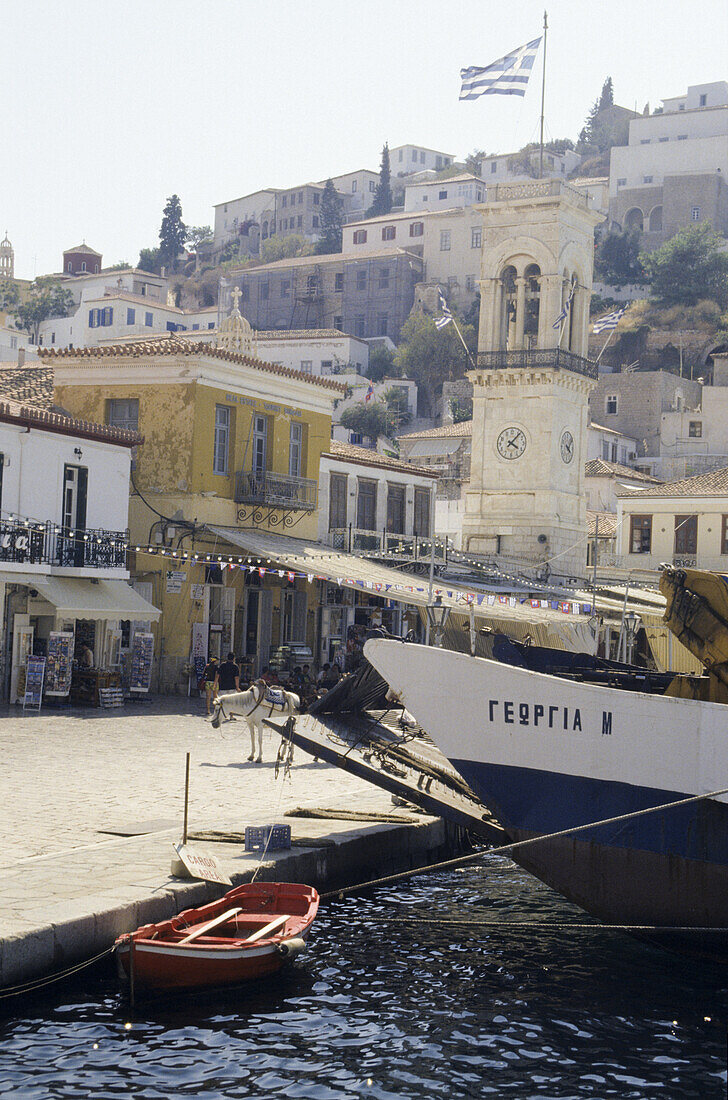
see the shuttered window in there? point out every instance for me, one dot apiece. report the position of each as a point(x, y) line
point(422, 512)
point(222, 440)
point(337, 501)
point(366, 505)
point(395, 509)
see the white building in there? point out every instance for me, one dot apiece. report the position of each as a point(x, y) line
point(233, 215)
point(133, 280)
point(371, 495)
point(610, 445)
point(603, 481)
point(314, 351)
point(500, 167)
point(356, 190)
point(406, 159)
point(63, 538)
point(118, 315)
point(15, 345)
point(449, 241)
point(682, 522)
point(674, 168)
point(456, 191)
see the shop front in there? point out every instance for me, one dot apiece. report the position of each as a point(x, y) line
point(77, 627)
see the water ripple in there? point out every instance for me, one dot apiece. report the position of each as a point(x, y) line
point(382, 1010)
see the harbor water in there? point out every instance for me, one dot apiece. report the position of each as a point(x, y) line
point(389, 1003)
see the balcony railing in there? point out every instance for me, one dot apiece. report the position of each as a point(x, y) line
point(46, 544)
point(534, 358)
point(276, 490)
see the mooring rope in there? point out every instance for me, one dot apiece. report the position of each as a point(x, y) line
point(39, 983)
point(502, 849)
point(550, 926)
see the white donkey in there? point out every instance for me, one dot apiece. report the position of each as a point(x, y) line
point(258, 702)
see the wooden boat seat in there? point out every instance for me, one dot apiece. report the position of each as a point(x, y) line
point(257, 925)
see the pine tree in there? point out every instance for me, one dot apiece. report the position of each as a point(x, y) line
point(173, 232)
point(331, 220)
point(382, 202)
point(606, 99)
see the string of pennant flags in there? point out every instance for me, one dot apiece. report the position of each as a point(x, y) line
point(267, 567)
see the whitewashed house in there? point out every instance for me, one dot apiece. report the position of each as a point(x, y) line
point(64, 498)
point(684, 523)
point(365, 498)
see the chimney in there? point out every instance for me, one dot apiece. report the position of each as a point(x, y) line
point(21, 357)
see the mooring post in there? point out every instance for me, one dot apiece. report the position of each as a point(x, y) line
point(187, 797)
point(132, 994)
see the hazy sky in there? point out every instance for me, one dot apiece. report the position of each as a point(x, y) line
point(108, 107)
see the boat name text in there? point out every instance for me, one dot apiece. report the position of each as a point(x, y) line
point(543, 716)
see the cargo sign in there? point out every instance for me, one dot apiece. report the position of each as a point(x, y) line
point(206, 868)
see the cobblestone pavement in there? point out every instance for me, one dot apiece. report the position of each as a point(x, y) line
point(68, 775)
point(70, 779)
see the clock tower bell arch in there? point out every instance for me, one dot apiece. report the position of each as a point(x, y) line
point(531, 385)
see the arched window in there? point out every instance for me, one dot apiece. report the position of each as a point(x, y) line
point(655, 222)
point(634, 219)
point(83, 265)
point(265, 230)
point(508, 308)
point(533, 304)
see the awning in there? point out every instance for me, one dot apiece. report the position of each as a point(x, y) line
point(86, 598)
point(350, 571)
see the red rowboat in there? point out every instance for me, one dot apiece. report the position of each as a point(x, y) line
point(249, 933)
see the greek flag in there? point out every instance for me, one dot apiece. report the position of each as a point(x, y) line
point(506, 76)
point(567, 306)
point(608, 322)
point(446, 318)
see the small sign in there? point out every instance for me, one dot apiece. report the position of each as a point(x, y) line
point(207, 868)
point(197, 591)
point(175, 580)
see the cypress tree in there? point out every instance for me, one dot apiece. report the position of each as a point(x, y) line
point(331, 220)
point(173, 232)
point(382, 202)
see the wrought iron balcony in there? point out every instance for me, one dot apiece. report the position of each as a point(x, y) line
point(276, 491)
point(32, 543)
point(530, 359)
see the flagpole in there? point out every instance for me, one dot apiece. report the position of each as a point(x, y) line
point(462, 341)
point(609, 337)
point(543, 94)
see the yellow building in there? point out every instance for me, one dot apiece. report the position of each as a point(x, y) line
point(229, 441)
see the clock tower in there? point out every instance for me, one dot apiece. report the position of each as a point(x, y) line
point(531, 385)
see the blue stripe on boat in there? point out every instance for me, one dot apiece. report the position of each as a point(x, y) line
point(546, 802)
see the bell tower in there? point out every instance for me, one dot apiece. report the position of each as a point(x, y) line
point(7, 259)
point(532, 381)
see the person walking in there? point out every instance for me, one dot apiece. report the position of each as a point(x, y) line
point(228, 676)
point(208, 683)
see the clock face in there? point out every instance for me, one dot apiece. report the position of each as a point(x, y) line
point(567, 446)
point(511, 443)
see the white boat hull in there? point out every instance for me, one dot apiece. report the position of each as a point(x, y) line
point(547, 754)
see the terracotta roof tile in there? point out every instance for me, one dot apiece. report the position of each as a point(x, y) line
point(365, 457)
point(713, 484)
point(607, 524)
point(49, 420)
point(599, 467)
point(301, 334)
point(446, 432)
point(31, 383)
point(174, 346)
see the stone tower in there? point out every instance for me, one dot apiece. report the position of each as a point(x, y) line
point(532, 381)
point(7, 259)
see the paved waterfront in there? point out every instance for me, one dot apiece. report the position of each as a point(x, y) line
point(69, 775)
